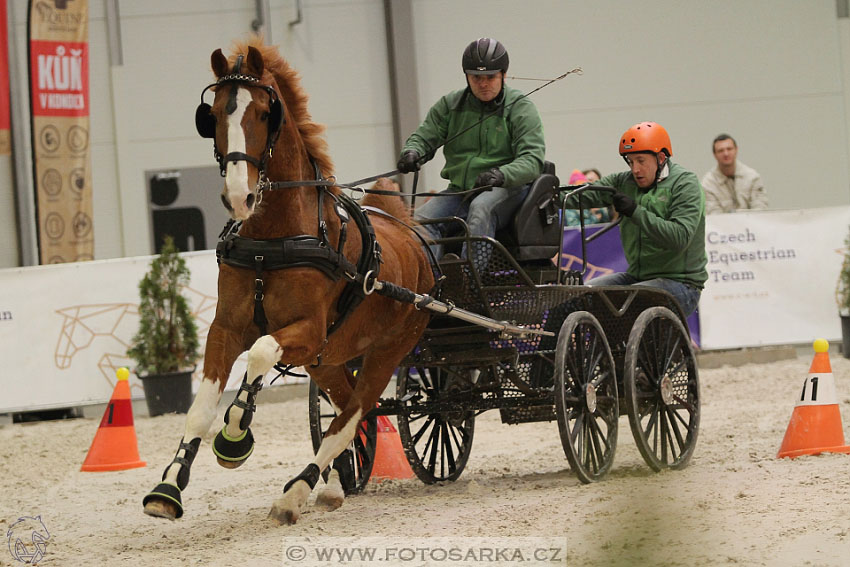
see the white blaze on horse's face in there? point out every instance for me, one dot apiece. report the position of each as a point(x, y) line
point(237, 185)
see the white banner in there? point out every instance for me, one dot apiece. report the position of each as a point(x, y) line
point(65, 328)
point(772, 276)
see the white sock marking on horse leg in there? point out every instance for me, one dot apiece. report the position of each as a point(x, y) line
point(236, 178)
point(262, 356)
point(332, 495)
point(198, 420)
point(333, 445)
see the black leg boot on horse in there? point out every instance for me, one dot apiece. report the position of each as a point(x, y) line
point(234, 448)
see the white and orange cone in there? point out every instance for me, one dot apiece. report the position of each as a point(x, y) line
point(815, 425)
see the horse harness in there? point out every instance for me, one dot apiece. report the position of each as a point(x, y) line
point(307, 251)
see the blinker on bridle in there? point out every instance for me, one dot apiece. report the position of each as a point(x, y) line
point(206, 124)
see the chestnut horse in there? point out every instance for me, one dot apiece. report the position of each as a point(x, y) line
point(309, 309)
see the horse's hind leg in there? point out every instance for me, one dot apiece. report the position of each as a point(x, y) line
point(165, 501)
point(332, 495)
point(371, 381)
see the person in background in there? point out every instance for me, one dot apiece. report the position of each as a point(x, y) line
point(493, 140)
point(592, 174)
point(663, 229)
point(731, 185)
point(591, 216)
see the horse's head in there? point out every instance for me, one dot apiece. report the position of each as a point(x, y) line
point(245, 121)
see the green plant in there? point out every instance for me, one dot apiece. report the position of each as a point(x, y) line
point(842, 289)
point(167, 338)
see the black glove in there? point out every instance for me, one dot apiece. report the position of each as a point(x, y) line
point(492, 177)
point(409, 162)
point(624, 204)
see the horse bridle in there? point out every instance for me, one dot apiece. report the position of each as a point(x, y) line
point(206, 124)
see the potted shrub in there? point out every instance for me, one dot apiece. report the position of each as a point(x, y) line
point(842, 298)
point(165, 348)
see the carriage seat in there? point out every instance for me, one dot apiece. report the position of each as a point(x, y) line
point(535, 231)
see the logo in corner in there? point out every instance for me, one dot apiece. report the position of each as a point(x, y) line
point(27, 540)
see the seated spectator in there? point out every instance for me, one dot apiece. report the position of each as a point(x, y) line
point(592, 174)
point(591, 216)
point(731, 185)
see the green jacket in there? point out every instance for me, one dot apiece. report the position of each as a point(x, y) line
point(511, 140)
point(665, 236)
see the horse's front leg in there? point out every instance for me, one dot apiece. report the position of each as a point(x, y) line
point(235, 442)
point(164, 501)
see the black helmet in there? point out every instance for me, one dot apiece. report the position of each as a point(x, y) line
point(485, 56)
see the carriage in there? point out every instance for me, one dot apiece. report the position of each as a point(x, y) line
point(305, 269)
point(576, 354)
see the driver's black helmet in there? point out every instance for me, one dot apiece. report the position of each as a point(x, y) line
point(485, 56)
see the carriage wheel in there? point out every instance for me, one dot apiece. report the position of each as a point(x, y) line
point(321, 414)
point(586, 400)
point(437, 445)
point(661, 387)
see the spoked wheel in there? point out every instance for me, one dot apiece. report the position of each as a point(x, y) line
point(661, 387)
point(586, 400)
point(437, 445)
point(321, 413)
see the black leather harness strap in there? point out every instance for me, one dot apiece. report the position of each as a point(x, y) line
point(307, 251)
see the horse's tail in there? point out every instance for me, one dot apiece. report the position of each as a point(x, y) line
point(389, 203)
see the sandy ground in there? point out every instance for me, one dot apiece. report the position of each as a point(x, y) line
point(735, 504)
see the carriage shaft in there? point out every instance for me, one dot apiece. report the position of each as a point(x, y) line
point(425, 301)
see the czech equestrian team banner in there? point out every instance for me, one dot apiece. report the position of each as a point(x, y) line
point(772, 276)
point(5, 120)
point(59, 99)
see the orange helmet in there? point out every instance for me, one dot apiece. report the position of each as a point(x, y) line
point(646, 137)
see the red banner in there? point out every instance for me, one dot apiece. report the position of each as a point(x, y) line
point(5, 121)
point(59, 100)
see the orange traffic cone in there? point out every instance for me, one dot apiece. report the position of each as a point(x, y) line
point(815, 425)
point(114, 447)
point(390, 461)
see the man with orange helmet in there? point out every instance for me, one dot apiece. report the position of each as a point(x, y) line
point(663, 205)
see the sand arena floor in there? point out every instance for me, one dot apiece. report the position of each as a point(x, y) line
point(735, 504)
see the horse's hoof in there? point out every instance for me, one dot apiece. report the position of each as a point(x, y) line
point(164, 502)
point(232, 452)
point(287, 509)
point(283, 517)
point(229, 464)
point(161, 509)
point(332, 495)
point(330, 499)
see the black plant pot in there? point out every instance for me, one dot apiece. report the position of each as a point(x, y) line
point(168, 393)
point(845, 335)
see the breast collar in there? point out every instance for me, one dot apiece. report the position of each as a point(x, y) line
point(308, 251)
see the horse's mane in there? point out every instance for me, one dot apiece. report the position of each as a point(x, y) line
point(289, 82)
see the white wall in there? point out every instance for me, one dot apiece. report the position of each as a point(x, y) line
point(766, 71)
point(773, 73)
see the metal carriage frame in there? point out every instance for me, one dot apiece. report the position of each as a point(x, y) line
point(588, 354)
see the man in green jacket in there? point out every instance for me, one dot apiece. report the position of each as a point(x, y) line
point(663, 205)
point(493, 140)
